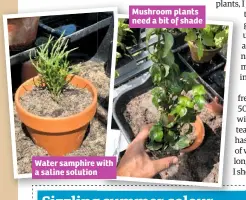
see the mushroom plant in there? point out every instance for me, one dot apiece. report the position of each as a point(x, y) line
point(177, 109)
point(210, 37)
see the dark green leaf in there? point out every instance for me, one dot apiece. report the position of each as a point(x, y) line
point(156, 133)
point(190, 117)
point(153, 146)
point(208, 39)
point(182, 143)
point(164, 119)
point(176, 88)
point(168, 43)
point(176, 69)
point(169, 59)
point(171, 137)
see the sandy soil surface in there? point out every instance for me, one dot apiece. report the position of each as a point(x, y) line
point(72, 101)
point(199, 165)
point(94, 142)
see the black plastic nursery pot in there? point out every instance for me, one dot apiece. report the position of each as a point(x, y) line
point(125, 65)
point(92, 33)
point(133, 38)
point(211, 75)
point(179, 38)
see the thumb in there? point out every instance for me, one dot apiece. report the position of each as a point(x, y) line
point(164, 163)
point(144, 133)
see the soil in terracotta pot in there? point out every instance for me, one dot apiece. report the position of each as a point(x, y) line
point(72, 101)
point(199, 165)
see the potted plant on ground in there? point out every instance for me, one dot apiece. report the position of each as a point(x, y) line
point(178, 99)
point(22, 32)
point(56, 106)
point(207, 42)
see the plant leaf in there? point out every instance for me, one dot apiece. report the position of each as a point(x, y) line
point(170, 137)
point(149, 33)
point(182, 143)
point(169, 59)
point(185, 101)
point(200, 49)
point(156, 133)
point(208, 39)
point(153, 146)
point(191, 35)
point(168, 43)
point(158, 96)
point(198, 90)
point(199, 100)
point(221, 38)
point(164, 119)
point(179, 110)
point(166, 67)
point(155, 72)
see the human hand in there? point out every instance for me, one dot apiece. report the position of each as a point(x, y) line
point(137, 163)
point(215, 106)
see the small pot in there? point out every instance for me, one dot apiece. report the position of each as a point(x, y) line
point(28, 71)
point(208, 54)
point(58, 136)
point(22, 32)
point(200, 133)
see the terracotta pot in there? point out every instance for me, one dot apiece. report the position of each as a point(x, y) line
point(22, 32)
point(28, 71)
point(58, 136)
point(208, 54)
point(200, 133)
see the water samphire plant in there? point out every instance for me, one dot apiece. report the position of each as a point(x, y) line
point(58, 135)
point(51, 62)
point(208, 38)
point(177, 109)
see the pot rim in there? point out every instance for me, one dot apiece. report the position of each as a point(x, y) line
point(191, 43)
point(191, 147)
point(91, 106)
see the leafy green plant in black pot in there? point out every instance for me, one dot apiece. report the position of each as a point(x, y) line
point(178, 98)
point(207, 42)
